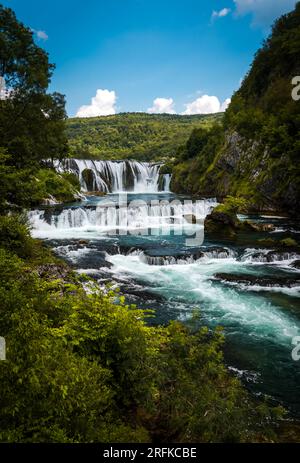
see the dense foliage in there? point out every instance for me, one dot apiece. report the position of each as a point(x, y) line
point(32, 121)
point(138, 136)
point(259, 154)
point(195, 157)
point(263, 107)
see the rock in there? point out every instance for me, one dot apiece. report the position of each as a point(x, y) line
point(289, 243)
point(260, 227)
point(221, 223)
point(89, 178)
point(96, 193)
point(50, 201)
point(252, 280)
point(161, 182)
point(83, 242)
point(54, 271)
point(190, 218)
point(128, 176)
point(296, 264)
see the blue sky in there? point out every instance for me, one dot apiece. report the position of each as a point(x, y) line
point(183, 56)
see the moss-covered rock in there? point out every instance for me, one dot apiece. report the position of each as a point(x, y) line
point(288, 243)
point(89, 179)
point(221, 223)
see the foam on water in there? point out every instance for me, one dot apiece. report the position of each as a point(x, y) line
point(102, 219)
point(226, 306)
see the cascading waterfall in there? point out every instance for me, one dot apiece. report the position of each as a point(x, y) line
point(116, 176)
point(138, 215)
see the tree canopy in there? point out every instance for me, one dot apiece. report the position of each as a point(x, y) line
point(31, 120)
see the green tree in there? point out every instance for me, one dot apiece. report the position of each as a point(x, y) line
point(31, 121)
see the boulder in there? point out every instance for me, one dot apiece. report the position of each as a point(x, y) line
point(221, 223)
point(253, 280)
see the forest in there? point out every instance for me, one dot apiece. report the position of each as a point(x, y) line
point(140, 136)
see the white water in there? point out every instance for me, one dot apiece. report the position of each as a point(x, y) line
point(225, 306)
point(116, 176)
point(139, 215)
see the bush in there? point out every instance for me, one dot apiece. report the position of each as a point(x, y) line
point(14, 235)
point(289, 242)
point(232, 205)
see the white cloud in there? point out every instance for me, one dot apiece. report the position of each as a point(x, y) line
point(162, 105)
point(206, 105)
point(225, 105)
point(220, 14)
point(41, 35)
point(102, 104)
point(264, 12)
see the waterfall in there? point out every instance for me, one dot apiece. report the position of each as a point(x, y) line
point(115, 176)
point(138, 215)
point(167, 181)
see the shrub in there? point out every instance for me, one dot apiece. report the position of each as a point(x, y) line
point(14, 235)
point(232, 205)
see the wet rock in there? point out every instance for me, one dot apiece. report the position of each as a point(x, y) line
point(260, 227)
point(128, 176)
point(296, 264)
point(161, 182)
point(83, 242)
point(253, 280)
point(49, 201)
point(190, 218)
point(89, 178)
point(96, 193)
point(221, 223)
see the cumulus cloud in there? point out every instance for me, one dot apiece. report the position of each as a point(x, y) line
point(220, 14)
point(264, 12)
point(102, 104)
point(206, 105)
point(225, 105)
point(162, 105)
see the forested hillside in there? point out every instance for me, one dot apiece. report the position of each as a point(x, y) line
point(132, 135)
point(257, 153)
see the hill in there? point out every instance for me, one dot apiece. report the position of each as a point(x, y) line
point(132, 135)
point(257, 153)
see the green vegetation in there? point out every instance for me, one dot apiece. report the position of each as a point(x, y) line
point(257, 155)
point(32, 121)
point(195, 157)
point(30, 187)
point(141, 136)
point(289, 242)
point(232, 206)
point(84, 367)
